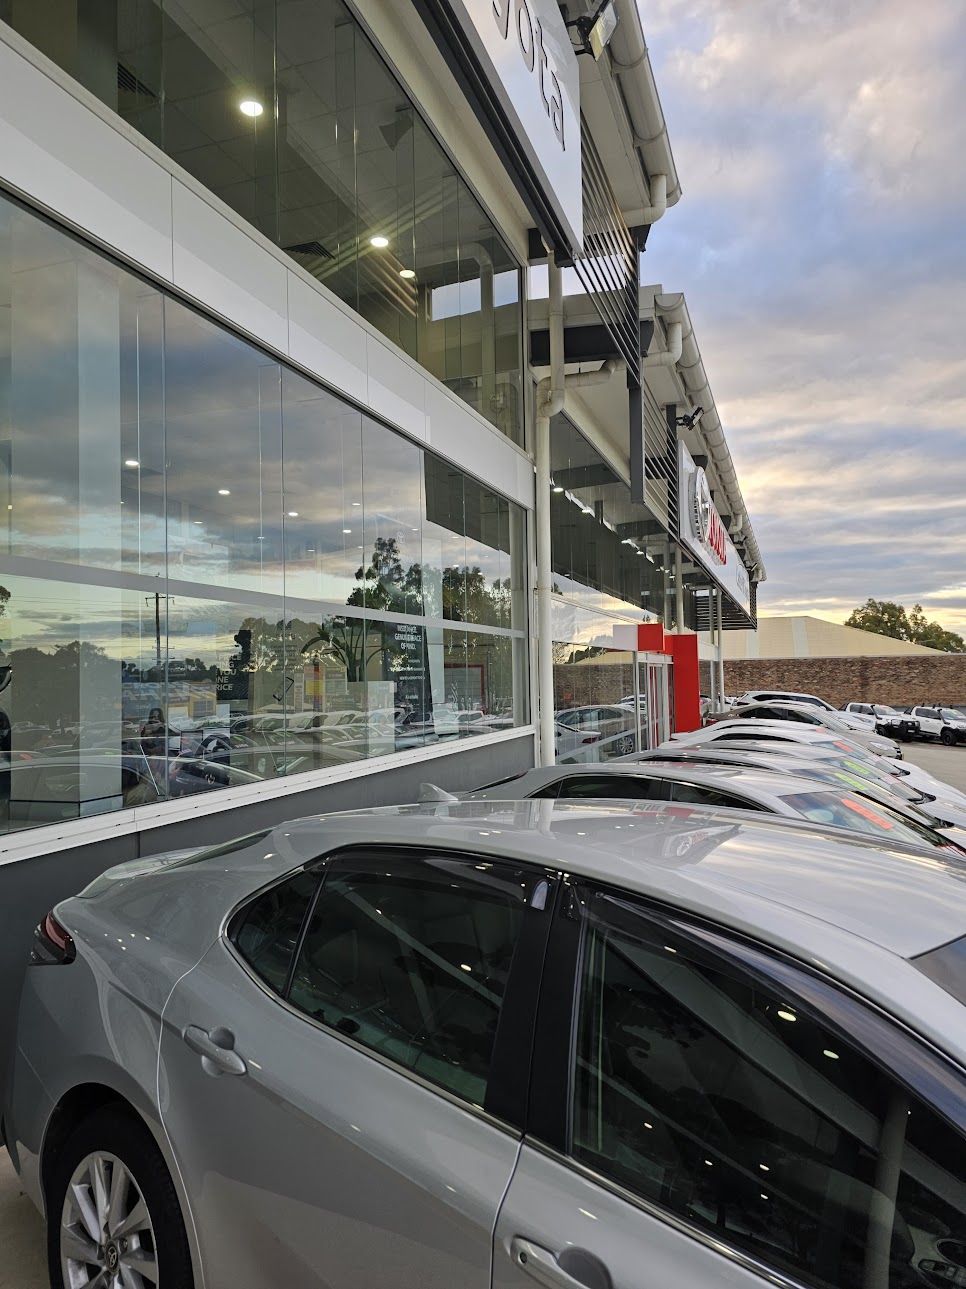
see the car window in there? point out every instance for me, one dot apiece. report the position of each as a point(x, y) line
point(411, 959)
point(267, 931)
point(861, 815)
point(699, 794)
point(625, 786)
point(700, 1088)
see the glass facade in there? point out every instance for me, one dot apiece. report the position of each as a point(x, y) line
point(285, 110)
point(607, 555)
point(215, 571)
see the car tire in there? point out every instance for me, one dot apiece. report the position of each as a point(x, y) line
point(109, 1139)
point(906, 736)
point(625, 745)
point(948, 737)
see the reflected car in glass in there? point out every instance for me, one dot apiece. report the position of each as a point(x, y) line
point(334, 1054)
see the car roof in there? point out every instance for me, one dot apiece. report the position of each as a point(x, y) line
point(751, 777)
point(722, 864)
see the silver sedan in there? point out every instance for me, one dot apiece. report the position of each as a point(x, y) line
point(500, 1045)
point(736, 787)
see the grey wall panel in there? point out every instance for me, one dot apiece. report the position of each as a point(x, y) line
point(29, 888)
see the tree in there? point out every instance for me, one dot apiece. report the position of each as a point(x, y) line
point(886, 618)
point(881, 616)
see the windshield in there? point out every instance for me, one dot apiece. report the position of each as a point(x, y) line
point(950, 714)
point(845, 811)
point(883, 709)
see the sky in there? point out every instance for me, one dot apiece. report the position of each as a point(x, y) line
point(821, 245)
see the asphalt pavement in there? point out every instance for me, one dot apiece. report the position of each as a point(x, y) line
point(23, 1260)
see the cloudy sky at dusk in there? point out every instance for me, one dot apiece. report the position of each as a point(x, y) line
point(821, 242)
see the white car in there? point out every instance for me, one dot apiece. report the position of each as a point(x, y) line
point(782, 696)
point(817, 718)
point(889, 721)
point(943, 723)
point(797, 740)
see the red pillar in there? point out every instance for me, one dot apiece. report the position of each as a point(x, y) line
point(686, 679)
point(685, 673)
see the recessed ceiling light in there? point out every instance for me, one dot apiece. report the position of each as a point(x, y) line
point(199, 521)
point(379, 242)
point(131, 463)
point(407, 273)
point(558, 488)
point(224, 492)
point(787, 1015)
point(347, 530)
point(293, 514)
point(251, 107)
point(357, 503)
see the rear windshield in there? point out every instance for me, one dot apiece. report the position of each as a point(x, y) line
point(947, 967)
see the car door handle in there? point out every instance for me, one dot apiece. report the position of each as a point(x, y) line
point(216, 1047)
point(543, 1266)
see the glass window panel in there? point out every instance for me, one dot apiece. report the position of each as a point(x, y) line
point(80, 364)
point(392, 540)
point(79, 674)
point(286, 112)
point(219, 103)
point(228, 693)
point(412, 961)
point(323, 493)
point(444, 541)
point(224, 450)
point(214, 689)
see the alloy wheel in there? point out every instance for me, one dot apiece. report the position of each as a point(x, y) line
point(106, 1233)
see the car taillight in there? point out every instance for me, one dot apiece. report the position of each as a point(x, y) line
point(53, 946)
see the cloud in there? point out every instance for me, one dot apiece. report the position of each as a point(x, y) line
point(819, 242)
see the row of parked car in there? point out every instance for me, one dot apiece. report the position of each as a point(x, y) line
point(945, 724)
point(700, 1010)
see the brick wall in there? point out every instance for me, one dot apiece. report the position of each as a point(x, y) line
point(926, 678)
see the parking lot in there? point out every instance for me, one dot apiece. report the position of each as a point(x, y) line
point(22, 1234)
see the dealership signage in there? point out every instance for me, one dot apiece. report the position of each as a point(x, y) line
point(530, 65)
point(703, 533)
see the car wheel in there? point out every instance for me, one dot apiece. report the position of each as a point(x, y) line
point(948, 737)
point(113, 1214)
point(625, 745)
point(906, 736)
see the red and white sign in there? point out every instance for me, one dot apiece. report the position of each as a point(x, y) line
point(705, 535)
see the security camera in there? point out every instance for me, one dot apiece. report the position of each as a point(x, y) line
point(689, 422)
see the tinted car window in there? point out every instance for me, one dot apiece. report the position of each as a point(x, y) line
point(698, 794)
point(267, 932)
point(624, 786)
point(411, 959)
point(708, 1094)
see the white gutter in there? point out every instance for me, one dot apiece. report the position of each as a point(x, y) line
point(631, 64)
point(551, 398)
point(690, 366)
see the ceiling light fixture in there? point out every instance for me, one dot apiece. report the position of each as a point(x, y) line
point(293, 514)
point(379, 241)
point(224, 492)
point(131, 463)
point(347, 530)
point(251, 107)
point(408, 274)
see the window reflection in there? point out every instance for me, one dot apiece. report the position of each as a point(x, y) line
point(288, 563)
point(285, 111)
